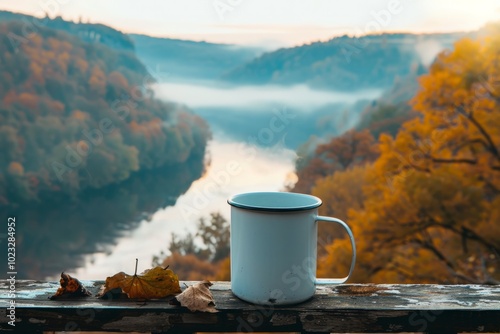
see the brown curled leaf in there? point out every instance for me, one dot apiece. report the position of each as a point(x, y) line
point(198, 297)
point(70, 287)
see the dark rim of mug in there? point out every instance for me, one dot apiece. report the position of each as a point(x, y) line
point(233, 202)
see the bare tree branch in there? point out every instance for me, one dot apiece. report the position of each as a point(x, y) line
point(491, 145)
point(453, 161)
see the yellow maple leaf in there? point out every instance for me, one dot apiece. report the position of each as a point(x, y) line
point(153, 283)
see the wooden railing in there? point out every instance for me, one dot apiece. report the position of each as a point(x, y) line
point(349, 308)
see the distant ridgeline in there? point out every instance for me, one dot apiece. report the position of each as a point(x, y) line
point(345, 63)
point(87, 32)
point(189, 59)
point(77, 115)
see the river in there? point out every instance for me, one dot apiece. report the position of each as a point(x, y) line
point(256, 131)
point(234, 167)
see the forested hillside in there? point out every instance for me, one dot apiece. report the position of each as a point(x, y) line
point(87, 32)
point(77, 115)
point(423, 197)
point(345, 63)
point(391, 110)
point(182, 59)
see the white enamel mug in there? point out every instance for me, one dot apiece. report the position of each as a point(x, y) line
point(273, 247)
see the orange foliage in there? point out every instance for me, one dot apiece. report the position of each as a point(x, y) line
point(134, 127)
point(36, 40)
point(37, 72)
point(15, 168)
point(82, 65)
point(80, 115)
point(154, 127)
point(53, 43)
point(340, 192)
point(189, 267)
point(51, 83)
point(432, 199)
point(116, 78)
point(63, 60)
point(9, 98)
point(148, 130)
point(97, 80)
point(223, 272)
point(83, 146)
point(351, 149)
point(56, 107)
point(28, 100)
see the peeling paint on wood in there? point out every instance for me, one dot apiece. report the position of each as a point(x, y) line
point(37, 321)
point(364, 290)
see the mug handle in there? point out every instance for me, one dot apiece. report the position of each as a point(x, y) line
point(353, 244)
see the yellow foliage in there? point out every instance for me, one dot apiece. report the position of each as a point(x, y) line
point(340, 192)
point(189, 267)
point(223, 272)
point(153, 283)
point(431, 201)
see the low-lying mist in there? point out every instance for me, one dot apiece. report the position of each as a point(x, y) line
point(299, 97)
point(270, 115)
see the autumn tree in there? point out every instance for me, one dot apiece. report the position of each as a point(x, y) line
point(318, 176)
point(200, 255)
point(67, 112)
point(340, 153)
point(215, 236)
point(212, 237)
point(97, 80)
point(188, 267)
point(432, 198)
point(340, 192)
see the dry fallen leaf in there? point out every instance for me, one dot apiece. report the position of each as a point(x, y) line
point(198, 297)
point(70, 287)
point(151, 284)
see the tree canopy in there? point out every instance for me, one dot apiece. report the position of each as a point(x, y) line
point(346, 63)
point(427, 209)
point(77, 115)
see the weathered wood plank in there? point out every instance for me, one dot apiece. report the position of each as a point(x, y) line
point(339, 309)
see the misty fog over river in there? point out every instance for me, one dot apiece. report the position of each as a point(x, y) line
point(123, 138)
point(256, 130)
point(246, 112)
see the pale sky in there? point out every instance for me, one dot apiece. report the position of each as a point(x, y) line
point(268, 22)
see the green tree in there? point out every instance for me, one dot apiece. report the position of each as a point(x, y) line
point(67, 100)
point(213, 236)
point(206, 259)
